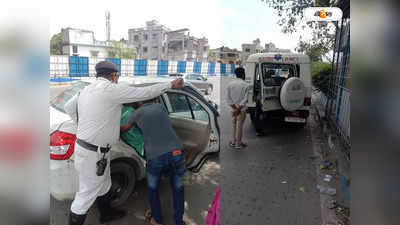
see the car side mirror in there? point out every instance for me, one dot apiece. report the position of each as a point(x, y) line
point(205, 79)
point(198, 78)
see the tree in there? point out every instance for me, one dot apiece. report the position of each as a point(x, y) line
point(56, 44)
point(320, 76)
point(316, 50)
point(211, 56)
point(291, 14)
point(118, 49)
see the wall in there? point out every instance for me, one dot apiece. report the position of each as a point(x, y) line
point(61, 66)
point(86, 51)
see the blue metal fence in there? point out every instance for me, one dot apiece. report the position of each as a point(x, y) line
point(162, 67)
point(223, 69)
point(140, 67)
point(78, 66)
point(181, 67)
point(117, 62)
point(211, 69)
point(197, 67)
point(337, 108)
point(232, 68)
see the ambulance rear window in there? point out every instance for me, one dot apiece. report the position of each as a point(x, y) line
point(275, 74)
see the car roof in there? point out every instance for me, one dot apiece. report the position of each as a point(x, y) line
point(143, 81)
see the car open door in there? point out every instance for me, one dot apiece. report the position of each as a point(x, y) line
point(195, 122)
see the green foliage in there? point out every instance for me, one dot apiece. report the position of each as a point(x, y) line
point(56, 44)
point(291, 13)
point(211, 57)
point(316, 50)
point(320, 76)
point(119, 50)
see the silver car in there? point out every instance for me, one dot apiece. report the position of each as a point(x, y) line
point(193, 117)
point(198, 80)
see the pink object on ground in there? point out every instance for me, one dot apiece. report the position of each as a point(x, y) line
point(213, 213)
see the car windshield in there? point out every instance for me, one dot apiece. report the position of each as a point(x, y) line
point(194, 77)
point(59, 101)
point(175, 75)
point(275, 74)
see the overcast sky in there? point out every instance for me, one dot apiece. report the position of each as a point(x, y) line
point(223, 22)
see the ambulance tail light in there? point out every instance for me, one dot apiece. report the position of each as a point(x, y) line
point(307, 101)
point(61, 145)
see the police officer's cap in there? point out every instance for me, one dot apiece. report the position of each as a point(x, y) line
point(105, 68)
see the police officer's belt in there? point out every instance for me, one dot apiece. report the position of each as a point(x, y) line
point(91, 147)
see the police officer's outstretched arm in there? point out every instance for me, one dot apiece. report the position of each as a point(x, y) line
point(71, 108)
point(126, 94)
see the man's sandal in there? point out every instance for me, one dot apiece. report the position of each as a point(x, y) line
point(241, 145)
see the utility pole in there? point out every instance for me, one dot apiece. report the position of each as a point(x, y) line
point(108, 25)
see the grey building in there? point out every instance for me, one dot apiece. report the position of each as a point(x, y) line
point(157, 42)
point(271, 47)
point(227, 56)
point(249, 49)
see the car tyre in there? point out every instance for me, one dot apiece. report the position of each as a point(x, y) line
point(123, 179)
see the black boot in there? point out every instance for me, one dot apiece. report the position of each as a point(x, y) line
point(106, 212)
point(75, 219)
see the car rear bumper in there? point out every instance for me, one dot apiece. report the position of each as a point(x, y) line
point(281, 114)
point(63, 179)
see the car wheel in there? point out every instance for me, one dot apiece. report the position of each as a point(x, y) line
point(123, 179)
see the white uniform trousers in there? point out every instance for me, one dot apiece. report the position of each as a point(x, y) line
point(90, 185)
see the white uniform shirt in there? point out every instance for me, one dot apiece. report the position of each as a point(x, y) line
point(99, 108)
point(237, 93)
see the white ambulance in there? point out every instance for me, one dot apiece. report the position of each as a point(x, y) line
point(280, 87)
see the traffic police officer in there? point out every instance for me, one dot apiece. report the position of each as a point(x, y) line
point(97, 111)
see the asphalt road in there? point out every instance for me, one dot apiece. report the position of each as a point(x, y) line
point(272, 181)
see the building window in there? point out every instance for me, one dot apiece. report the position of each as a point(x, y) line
point(221, 55)
point(74, 49)
point(163, 49)
point(205, 48)
point(247, 50)
point(145, 49)
point(154, 36)
point(146, 37)
point(136, 38)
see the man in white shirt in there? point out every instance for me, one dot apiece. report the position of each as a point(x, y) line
point(237, 94)
point(97, 111)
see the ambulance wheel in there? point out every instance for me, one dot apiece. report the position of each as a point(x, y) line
point(123, 178)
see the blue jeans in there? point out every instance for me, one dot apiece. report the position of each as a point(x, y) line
point(174, 167)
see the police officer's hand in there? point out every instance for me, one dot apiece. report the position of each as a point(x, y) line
point(177, 83)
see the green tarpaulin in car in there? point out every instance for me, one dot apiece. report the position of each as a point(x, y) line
point(134, 136)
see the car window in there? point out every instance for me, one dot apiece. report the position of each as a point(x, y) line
point(184, 106)
point(59, 101)
point(177, 104)
point(198, 111)
point(276, 74)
